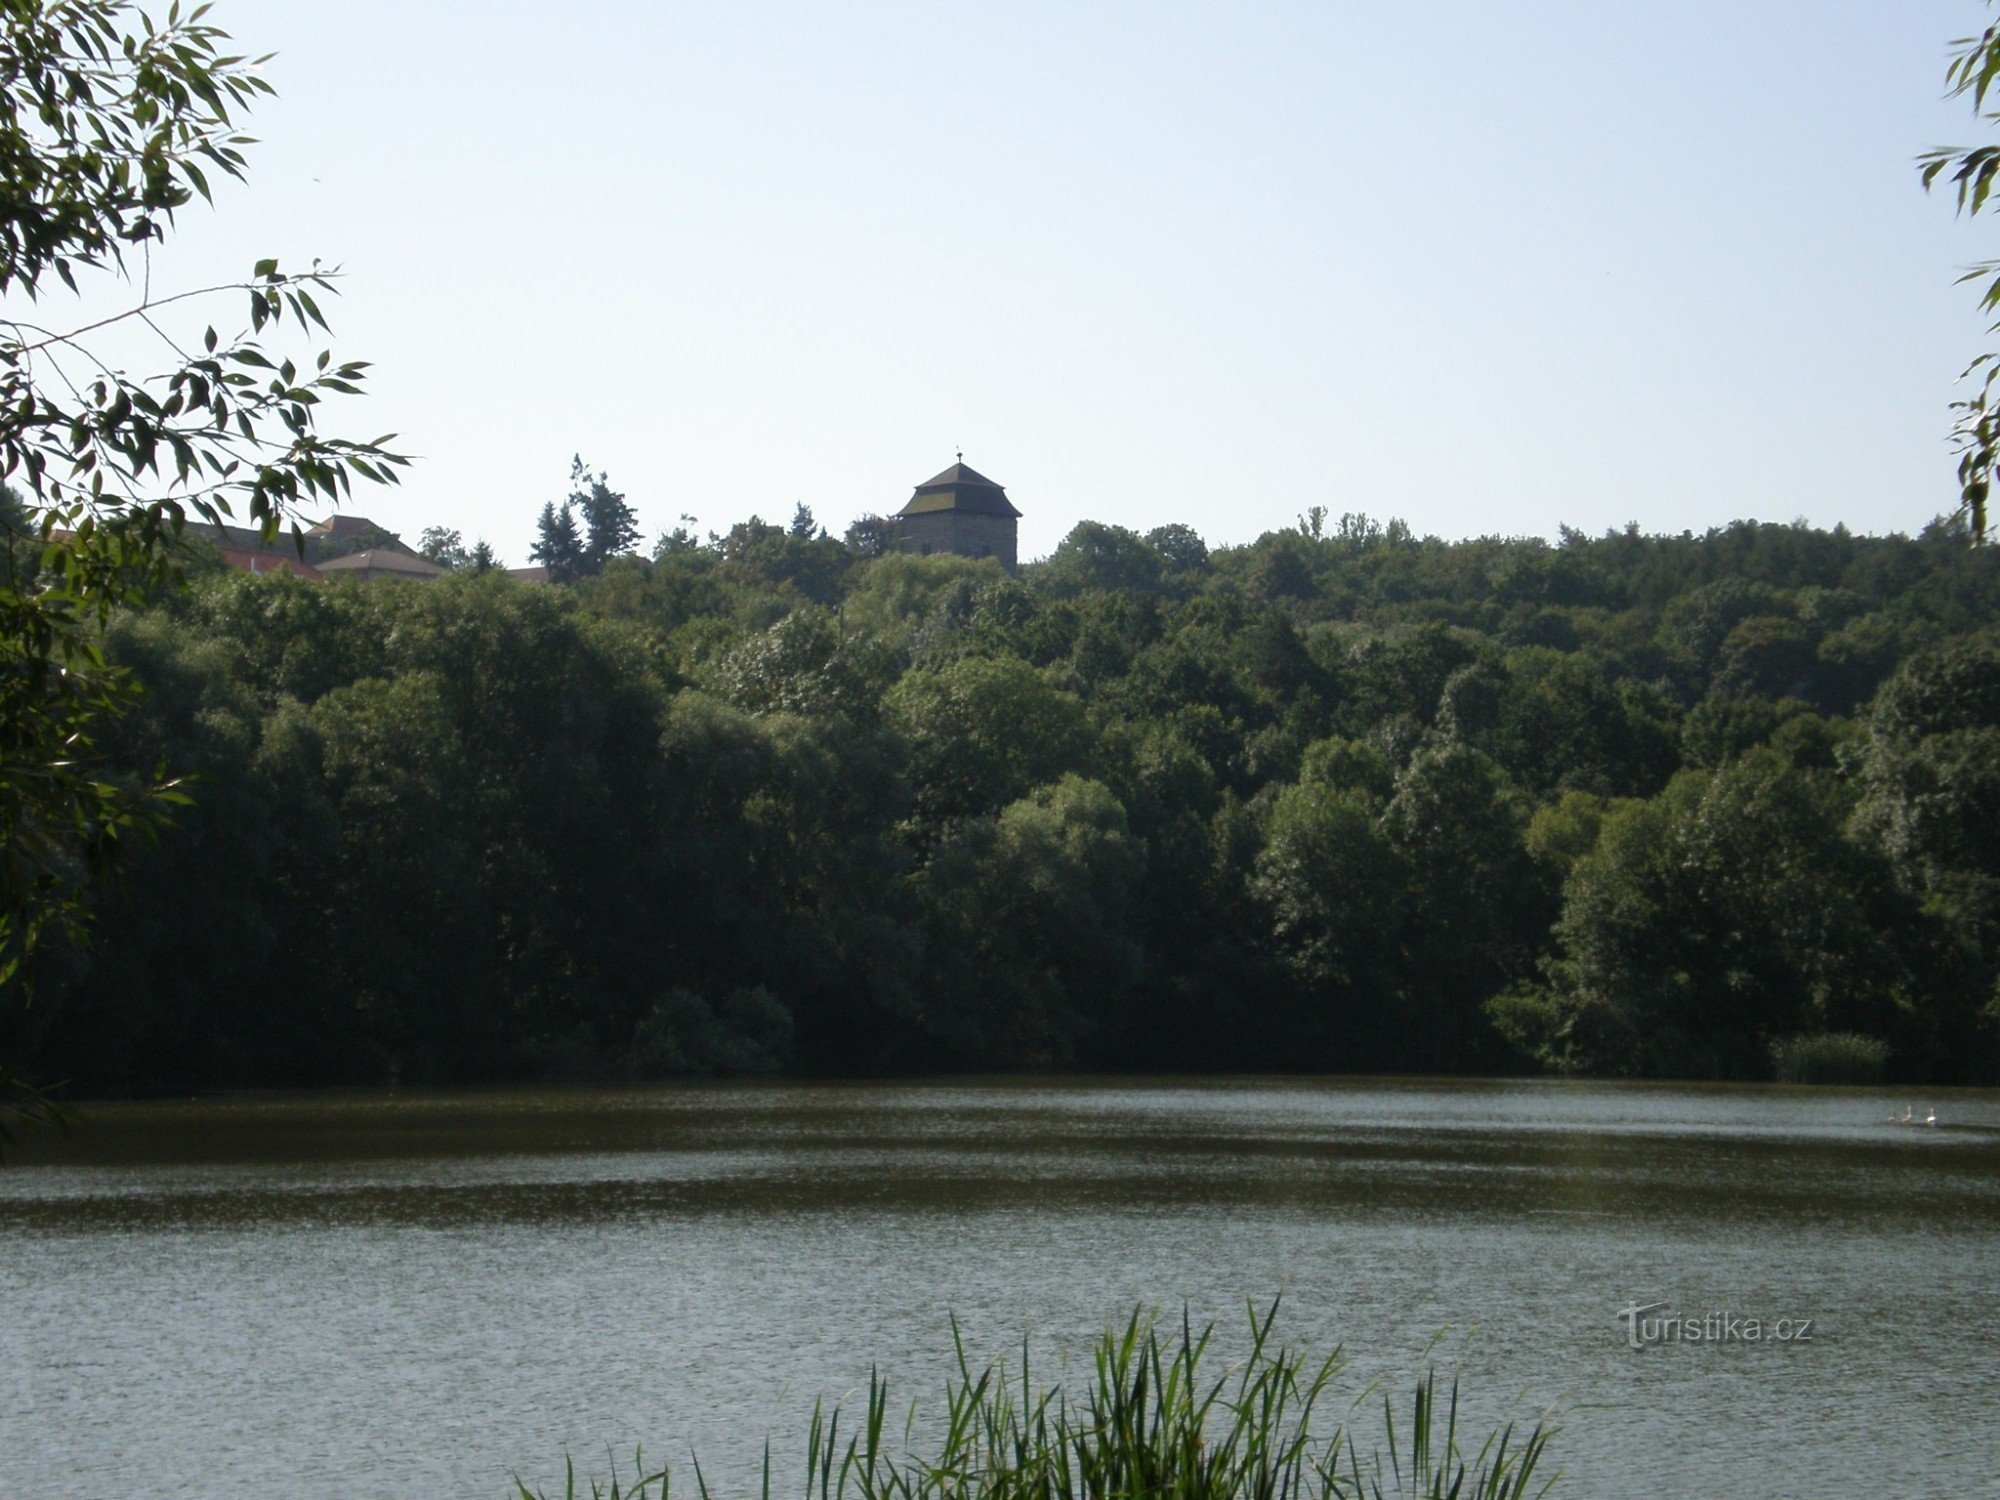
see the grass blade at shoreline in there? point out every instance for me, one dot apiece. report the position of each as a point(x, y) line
point(1150, 1424)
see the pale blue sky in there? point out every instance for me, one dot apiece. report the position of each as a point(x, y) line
point(1490, 268)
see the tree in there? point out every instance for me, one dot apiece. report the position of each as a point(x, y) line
point(1726, 912)
point(1975, 63)
point(1931, 769)
point(444, 546)
point(1284, 566)
point(983, 731)
point(558, 544)
point(774, 557)
point(872, 535)
point(1029, 922)
point(610, 526)
point(1097, 556)
point(1329, 880)
point(366, 537)
point(678, 542)
point(1471, 905)
point(1180, 547)
point(110, 124)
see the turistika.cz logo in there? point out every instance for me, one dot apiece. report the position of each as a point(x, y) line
point(1648, 1325)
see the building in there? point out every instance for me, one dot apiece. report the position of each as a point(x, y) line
point(244, 547)
point(338, 547)
point(377, 564)
point(963, 513)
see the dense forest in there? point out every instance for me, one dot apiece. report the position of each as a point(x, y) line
point(1342, 799)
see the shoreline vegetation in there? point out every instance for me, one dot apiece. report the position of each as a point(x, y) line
point(1341, 800)
point(1154, 1421)
point(1830, 1057)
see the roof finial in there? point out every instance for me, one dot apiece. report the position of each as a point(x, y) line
point(961, 455)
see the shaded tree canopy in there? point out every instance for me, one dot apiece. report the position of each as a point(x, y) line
point(1621, 805)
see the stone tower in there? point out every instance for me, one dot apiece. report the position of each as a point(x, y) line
point(962, 512)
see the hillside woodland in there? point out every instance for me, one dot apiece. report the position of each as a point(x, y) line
point(1342, 799)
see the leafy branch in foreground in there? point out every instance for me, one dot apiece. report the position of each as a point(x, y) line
point(1149, 1423)
point(109, 124)
point(1975, 64)
point(23, 1104)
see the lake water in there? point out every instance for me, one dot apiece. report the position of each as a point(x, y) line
point(425, 1294)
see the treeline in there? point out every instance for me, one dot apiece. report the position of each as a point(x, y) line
point(1341, 799)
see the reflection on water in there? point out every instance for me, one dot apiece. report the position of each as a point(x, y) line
point(425, 1293)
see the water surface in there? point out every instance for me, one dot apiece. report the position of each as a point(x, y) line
point(423, 1294)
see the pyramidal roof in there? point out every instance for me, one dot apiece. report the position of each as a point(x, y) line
point(961, 487)
point(958, 473)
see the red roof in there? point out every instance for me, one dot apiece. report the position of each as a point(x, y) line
point(267, 561)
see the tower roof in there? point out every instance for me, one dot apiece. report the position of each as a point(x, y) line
point(960, 487)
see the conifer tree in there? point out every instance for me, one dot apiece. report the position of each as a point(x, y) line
point(558, 545)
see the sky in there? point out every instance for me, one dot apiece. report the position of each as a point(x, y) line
point(1490, 269)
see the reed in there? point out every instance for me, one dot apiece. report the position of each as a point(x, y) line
point(1151, 1423)
point(1829, 1057)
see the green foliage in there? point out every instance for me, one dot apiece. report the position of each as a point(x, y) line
point(1343, 797)
point(592, 526)
point(1727, 912)
point(444, 546)
point(810, 568)
point(983, 731)
point(1767, 655)
point(363, 538)
point(610, 525)
point(64, 822)
point(1975, 63)
point(682, 1034)
point(682, 816)
point(1720, 729)
point(896, 596)
point(1097, 557)
point(1829, 1057)
point(1929, 767)
point(109, 124)
point(1026, 921)
point(1330, 877)
point(21, 1104)
point(1349, 764)
point(871, 536)
point(1154, 1418)
point(1564, 831)
point(1182, 552)
point(558, 543)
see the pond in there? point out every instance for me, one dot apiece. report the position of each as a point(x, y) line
point(430, 1293)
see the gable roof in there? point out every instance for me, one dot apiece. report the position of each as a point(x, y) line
point(960, 488)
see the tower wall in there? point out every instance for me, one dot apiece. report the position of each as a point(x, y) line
point(960, 533)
